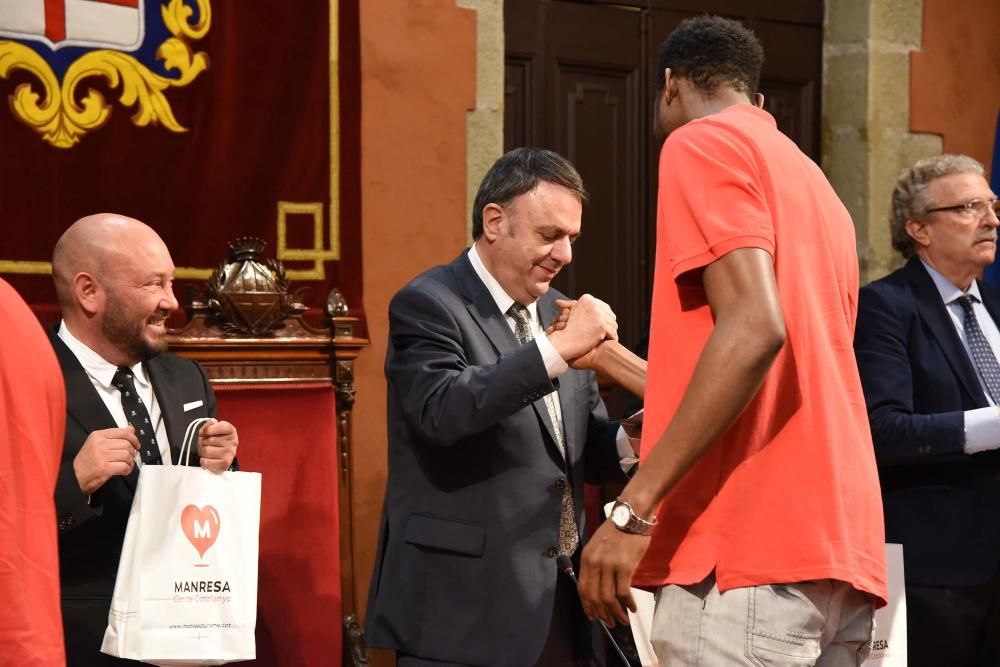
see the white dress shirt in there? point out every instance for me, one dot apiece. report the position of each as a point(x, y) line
point(101, 374)
point(554, 363)
point(982, 426)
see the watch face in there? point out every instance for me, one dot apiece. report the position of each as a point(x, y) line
point(620, 515)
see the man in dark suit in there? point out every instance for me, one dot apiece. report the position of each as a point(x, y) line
point(927, 344)
point(491, 437)
point(128, 405)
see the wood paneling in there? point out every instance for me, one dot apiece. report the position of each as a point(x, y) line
point(579, 80)
point(574, 83)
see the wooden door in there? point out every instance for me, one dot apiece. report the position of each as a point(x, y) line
point(575, 83)
point(580, 78)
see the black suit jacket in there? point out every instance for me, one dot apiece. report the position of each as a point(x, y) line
point(941, 504)
point(91, 534)
point(465, 570)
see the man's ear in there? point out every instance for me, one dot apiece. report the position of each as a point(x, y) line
point(918, 232)
point(669, 86)
point(89, 293)
point(493, 216)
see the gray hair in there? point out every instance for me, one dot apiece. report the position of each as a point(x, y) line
point(909, 197)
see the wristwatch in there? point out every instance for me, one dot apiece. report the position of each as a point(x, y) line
point(626, 520)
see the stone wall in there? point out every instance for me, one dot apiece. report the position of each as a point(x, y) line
point(866, 115)
point(484, 124)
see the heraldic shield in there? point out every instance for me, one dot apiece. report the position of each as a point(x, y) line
point(141, 48)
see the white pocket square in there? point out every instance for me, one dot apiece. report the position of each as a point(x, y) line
point(192, 405)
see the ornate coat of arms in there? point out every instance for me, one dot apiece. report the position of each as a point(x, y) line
point(140, 48)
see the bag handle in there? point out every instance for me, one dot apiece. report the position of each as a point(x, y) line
point(190, 435)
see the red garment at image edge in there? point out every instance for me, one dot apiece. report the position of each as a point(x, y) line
point(32, 418)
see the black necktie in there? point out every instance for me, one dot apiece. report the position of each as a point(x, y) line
point(137, 416)
point(982, 353)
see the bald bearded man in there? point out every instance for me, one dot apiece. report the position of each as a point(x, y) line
point(128, 404)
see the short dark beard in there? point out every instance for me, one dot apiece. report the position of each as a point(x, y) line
point(126, 334)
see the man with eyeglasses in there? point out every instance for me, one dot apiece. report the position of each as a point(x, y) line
point(927, 344)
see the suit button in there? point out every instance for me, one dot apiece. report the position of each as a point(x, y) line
point(551, 552)
point(560, 484)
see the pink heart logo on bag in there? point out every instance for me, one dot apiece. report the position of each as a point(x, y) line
point(201, 526)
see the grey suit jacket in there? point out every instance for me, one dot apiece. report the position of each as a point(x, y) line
point(465, 570)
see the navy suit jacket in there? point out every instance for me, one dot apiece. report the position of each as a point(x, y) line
point(91, 534)
point(465, 570)
point(942, 505)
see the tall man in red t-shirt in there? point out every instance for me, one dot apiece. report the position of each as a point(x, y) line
point(757, 460)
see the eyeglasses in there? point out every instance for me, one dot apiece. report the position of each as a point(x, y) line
point(974, 207)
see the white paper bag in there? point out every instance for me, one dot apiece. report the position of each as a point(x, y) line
point(186, 592)
point(889, 642)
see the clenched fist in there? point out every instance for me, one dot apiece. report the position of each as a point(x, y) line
point(217, 445)
point(104, 454)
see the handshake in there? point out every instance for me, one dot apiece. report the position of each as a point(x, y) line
point(581, 327)
point(585, 334)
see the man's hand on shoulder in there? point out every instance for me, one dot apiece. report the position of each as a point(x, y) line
point(105, 454)
point(581, 326)
point(217, 445)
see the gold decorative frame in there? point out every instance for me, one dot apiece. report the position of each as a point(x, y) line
point(318, 253)
point(61, 120)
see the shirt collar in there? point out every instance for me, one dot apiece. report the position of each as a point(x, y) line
point(95, 365)
point(947, 289)
point(503, 300)
point(753, 110)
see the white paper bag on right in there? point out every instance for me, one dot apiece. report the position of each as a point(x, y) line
point(889, 642)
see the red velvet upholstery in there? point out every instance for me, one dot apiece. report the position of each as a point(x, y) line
point(289, 434)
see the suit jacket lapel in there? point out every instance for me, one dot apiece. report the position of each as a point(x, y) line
point(169, 398)
point(83, 403)
point(990, 300)
point(935, 315)
point(482, 307)
point(484, 312)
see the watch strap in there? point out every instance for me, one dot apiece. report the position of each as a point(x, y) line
point(636, 525)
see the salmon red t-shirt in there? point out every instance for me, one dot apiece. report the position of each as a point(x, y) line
point(790, 492)
point(32, 420)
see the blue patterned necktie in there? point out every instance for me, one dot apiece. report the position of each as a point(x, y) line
point(982, 353)
point(137, 416)
point(568, 535)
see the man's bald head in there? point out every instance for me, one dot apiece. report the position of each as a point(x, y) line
point(91, 245)
point(114, 280)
